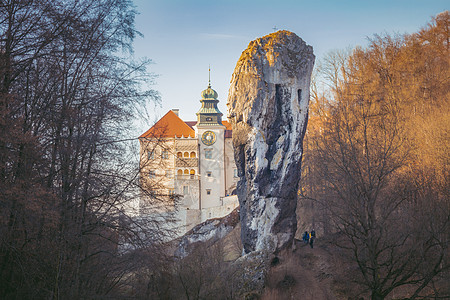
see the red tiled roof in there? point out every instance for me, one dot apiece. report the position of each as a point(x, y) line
point(228, 130)
point(170, 125)
point(227, 125)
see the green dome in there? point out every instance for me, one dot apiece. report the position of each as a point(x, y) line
point(209, 93)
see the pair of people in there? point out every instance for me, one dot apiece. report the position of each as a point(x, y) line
point(309, 238)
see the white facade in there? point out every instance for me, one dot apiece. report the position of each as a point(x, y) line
point(190, 160)
point(212, 166)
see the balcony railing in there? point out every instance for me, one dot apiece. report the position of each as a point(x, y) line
point(186, 162)
point(186, 177)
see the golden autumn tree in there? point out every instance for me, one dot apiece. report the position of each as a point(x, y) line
point(378, 160)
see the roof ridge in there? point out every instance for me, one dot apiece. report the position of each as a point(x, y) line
point(170, 125)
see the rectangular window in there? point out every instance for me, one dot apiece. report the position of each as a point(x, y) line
point(165, 154)
point(150, 154)
point(208, 153)
point(185, 189)
point(208, 192)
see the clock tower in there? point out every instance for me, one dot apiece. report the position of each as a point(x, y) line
point(211, 139)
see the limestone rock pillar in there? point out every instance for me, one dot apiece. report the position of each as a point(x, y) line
point(268, 108)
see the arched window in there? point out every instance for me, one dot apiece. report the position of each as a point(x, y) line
point(193, 154)
point(179, 154)
point(180, 172)
point(186, 172)
point(192, 172)
point(186, 154)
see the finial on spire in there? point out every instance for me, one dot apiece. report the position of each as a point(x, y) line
point(209, 76)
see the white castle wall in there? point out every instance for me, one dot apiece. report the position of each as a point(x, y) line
point(188, 218)
point(215, 183)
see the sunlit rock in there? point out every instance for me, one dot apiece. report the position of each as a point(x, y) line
point(268, 109)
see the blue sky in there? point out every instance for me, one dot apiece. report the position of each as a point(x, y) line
point(184, 37)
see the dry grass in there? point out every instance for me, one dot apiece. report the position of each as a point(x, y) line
point(305, 274)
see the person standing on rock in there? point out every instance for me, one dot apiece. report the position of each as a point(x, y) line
point(312, 238)
point(305, 237)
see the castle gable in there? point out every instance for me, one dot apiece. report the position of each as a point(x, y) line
point(228, 130)
point(170, 125)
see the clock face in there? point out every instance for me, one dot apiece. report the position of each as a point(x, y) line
point(208, 138)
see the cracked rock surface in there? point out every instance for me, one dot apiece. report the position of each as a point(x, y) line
point(268, 108)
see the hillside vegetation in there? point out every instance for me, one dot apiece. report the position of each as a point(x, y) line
point(376, 163)
point(375, 183)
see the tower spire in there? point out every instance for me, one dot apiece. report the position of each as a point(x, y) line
point(209, 76)
point(209, 114)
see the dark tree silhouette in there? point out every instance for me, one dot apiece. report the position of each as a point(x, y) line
point(67, 95)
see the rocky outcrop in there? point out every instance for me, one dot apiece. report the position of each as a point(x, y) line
point(209, 231)
point(268, 109)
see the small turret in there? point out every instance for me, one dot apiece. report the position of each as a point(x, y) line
point(209, 114)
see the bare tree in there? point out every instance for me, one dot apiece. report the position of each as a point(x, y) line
point(380, 187)
point(67, 95)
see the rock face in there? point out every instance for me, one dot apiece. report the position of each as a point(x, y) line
point(268, 108)
point(209, 231)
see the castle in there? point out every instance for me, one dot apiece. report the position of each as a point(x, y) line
point(192, 161)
